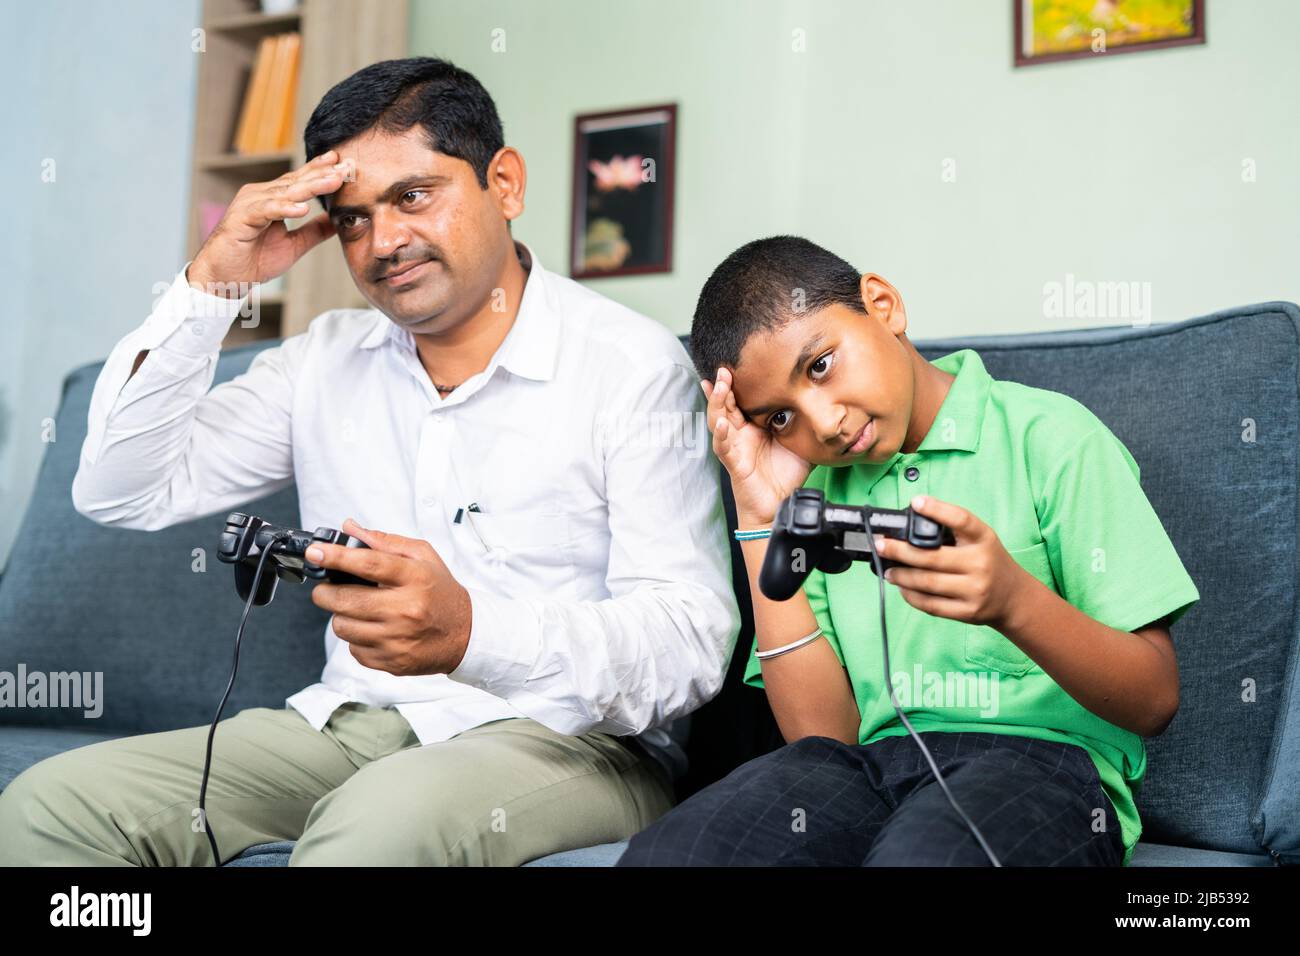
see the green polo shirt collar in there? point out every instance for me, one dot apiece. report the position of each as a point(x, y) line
point(961, 416)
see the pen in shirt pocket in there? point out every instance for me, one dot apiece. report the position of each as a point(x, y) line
point(467, 512)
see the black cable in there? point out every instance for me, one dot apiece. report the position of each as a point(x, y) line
point(893, 699)
point(212, 731)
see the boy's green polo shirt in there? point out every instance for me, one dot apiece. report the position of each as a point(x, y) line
point(1062, 493)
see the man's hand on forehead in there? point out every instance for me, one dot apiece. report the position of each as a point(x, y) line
point(347, 166)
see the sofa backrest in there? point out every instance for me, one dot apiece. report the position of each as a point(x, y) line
point(1208, 407)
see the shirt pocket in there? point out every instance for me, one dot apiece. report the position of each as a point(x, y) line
point(986, 647)
point(519, 531)
point(527, 552)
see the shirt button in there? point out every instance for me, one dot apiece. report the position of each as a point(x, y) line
point(427, 501)
point(912, 473)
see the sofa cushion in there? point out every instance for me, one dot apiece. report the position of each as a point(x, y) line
point(607, 854)
point(265, 854)
point(1159, 854)
point(140, 607)
point(604, 854)
point(20, 747)
point(277, 854)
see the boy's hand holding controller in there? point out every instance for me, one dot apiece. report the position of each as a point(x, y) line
point(975, 581)
point(251, 242)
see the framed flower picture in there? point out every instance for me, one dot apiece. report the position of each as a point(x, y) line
point(1047, 31)
point(623, 174)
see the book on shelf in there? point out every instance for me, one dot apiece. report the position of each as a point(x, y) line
point(266, 116)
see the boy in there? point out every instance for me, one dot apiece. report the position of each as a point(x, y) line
point(1031, 657)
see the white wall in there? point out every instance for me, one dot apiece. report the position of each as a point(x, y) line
point(106, 91)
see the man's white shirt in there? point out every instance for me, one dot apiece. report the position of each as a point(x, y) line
point(597, 561)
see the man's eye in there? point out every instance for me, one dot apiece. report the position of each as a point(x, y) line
point(822, 365)
point(343, 221)
point(776, 422)
point(413, 192)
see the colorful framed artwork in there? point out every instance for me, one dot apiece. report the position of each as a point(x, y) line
point(623, 175)
point(1047, 31)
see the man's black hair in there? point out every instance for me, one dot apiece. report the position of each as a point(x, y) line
point(457, 114)
point(759, 288)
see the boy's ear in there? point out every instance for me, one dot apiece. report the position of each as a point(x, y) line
point(883, 301)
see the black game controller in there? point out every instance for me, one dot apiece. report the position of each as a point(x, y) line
point(810, 532)
point(246, 536)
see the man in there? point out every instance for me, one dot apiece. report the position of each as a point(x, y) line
point(553, 589)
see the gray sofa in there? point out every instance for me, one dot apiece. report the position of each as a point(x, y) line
point(1209, 407)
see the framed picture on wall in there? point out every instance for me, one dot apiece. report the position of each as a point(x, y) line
point(1048, 31)
point(623, 177)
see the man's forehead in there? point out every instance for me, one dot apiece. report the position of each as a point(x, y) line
point(369, 180)
point(377, 145)
point(378, 159)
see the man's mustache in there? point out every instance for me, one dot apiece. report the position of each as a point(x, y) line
point(393, 268)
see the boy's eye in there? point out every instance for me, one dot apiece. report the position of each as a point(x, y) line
point(818, 369)
point(777, 420)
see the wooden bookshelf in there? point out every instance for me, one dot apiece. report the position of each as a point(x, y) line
point(339, 37)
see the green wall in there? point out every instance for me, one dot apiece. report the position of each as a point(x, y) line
point(1124, 168)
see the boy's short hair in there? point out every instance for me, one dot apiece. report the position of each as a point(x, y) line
point(759, 288)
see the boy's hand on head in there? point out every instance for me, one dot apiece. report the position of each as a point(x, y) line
point(975, 581)
point(763, 471)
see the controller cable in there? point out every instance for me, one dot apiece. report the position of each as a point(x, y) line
point(884, 642)
point(239, 636)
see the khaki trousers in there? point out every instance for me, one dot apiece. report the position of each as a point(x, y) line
point(362, 791)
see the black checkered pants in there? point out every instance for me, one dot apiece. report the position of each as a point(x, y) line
point(820, 802)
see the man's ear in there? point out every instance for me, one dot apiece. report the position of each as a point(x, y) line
point(883, 301)
point(507, 179)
